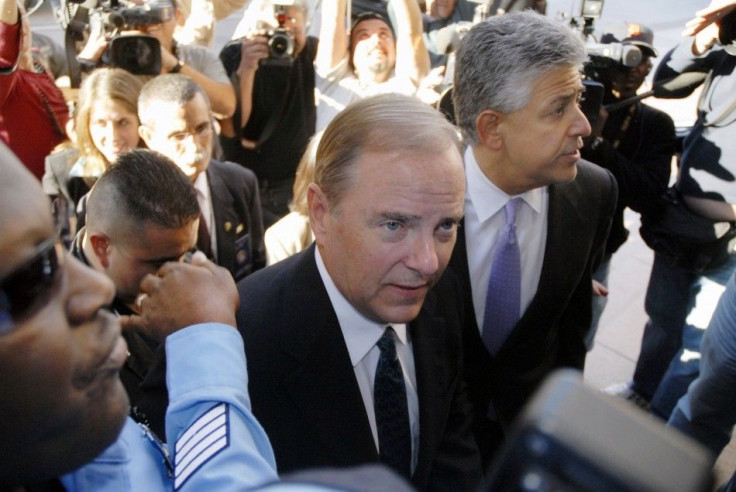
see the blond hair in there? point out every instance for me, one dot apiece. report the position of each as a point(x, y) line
point(385, 123)
point(104, 84)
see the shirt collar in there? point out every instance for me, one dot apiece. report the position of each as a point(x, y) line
point(201, 185)
point(360, 333)
point(486, 197)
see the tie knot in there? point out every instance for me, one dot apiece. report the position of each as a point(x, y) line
point(511, 207)
point(386, 343)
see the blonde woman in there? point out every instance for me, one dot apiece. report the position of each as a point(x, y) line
point(105, 125)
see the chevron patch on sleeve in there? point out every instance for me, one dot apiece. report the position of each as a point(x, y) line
point(203, 440)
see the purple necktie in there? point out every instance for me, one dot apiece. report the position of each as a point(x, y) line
point(503, 297)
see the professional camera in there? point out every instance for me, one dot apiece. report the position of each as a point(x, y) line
point(280, 41)
point(605, 57)
point(138, 54)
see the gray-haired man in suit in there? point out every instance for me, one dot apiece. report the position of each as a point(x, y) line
point(516, 94)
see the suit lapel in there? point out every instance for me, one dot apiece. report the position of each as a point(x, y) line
point(222, 204)
point(323, 385)
point(427, 338)
point(564, 259)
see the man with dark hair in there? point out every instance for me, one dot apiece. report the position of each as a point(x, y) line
point(176, 120)
point(324, 329)
point(681, 299)
point(536, 215)
point(141, 213)
point(373, 57)
point(635, 142)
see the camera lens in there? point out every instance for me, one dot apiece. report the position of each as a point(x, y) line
point(279, 45)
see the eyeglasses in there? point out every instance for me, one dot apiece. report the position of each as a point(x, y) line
point(29, 287)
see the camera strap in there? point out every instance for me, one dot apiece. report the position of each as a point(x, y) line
point(73, 33)
point(276, 116)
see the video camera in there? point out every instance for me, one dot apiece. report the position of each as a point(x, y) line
point(139, 54)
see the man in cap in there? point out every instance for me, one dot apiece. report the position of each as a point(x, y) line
point(635, 142)
point(374, 57)
point(680, 302)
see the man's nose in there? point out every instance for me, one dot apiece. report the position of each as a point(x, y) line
point(423, 257)
point(581, 126)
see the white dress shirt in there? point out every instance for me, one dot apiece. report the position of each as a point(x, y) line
point(204, 197)
point(485, 219)
point(361, 335)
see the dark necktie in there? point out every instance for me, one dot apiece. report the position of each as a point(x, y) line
point(204, 240)
point(392, 413)
point(503, 297)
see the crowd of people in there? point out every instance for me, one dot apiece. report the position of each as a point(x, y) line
point(325, 283)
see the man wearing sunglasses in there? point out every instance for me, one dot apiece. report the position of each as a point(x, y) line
point(61, 352)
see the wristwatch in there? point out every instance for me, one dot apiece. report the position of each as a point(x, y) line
point(177, 67)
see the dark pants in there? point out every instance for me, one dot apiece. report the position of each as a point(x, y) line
point(275, 198)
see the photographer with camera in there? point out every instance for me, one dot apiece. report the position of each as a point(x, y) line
point(159, 19)
point(682, 295)
point(635, 142)
point(33, 112)
point(273, 70)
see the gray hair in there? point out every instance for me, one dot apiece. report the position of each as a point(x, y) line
point(498, 61)
point(384, 123)
point(169, 88)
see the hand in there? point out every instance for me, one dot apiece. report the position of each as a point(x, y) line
point(252, 51)
point(181, 295)
point(95, 46)
point(599, 289)
point(168, 60)
point(705, 26)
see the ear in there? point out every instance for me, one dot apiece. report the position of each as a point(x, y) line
point(487, 126)
point(319, 210)
point(146, 134)
point(101, 248)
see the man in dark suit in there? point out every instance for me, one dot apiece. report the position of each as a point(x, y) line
point(322, 328)
point(176, 120)
point(536, 216)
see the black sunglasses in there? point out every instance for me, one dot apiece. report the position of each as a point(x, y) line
point(30, 286)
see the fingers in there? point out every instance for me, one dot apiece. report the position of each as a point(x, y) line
point(132, 322)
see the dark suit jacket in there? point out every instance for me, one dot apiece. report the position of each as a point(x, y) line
point(304, 390)
point(237, 208)
point(550, 333)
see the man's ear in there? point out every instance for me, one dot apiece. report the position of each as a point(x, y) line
point(319, 209)
point(101, 248)
point(487, 126)
point(146, 134)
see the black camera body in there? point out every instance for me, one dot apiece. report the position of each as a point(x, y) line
point(606, 57)
point(114, 18)
point(138, 54)
point(281, 42)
